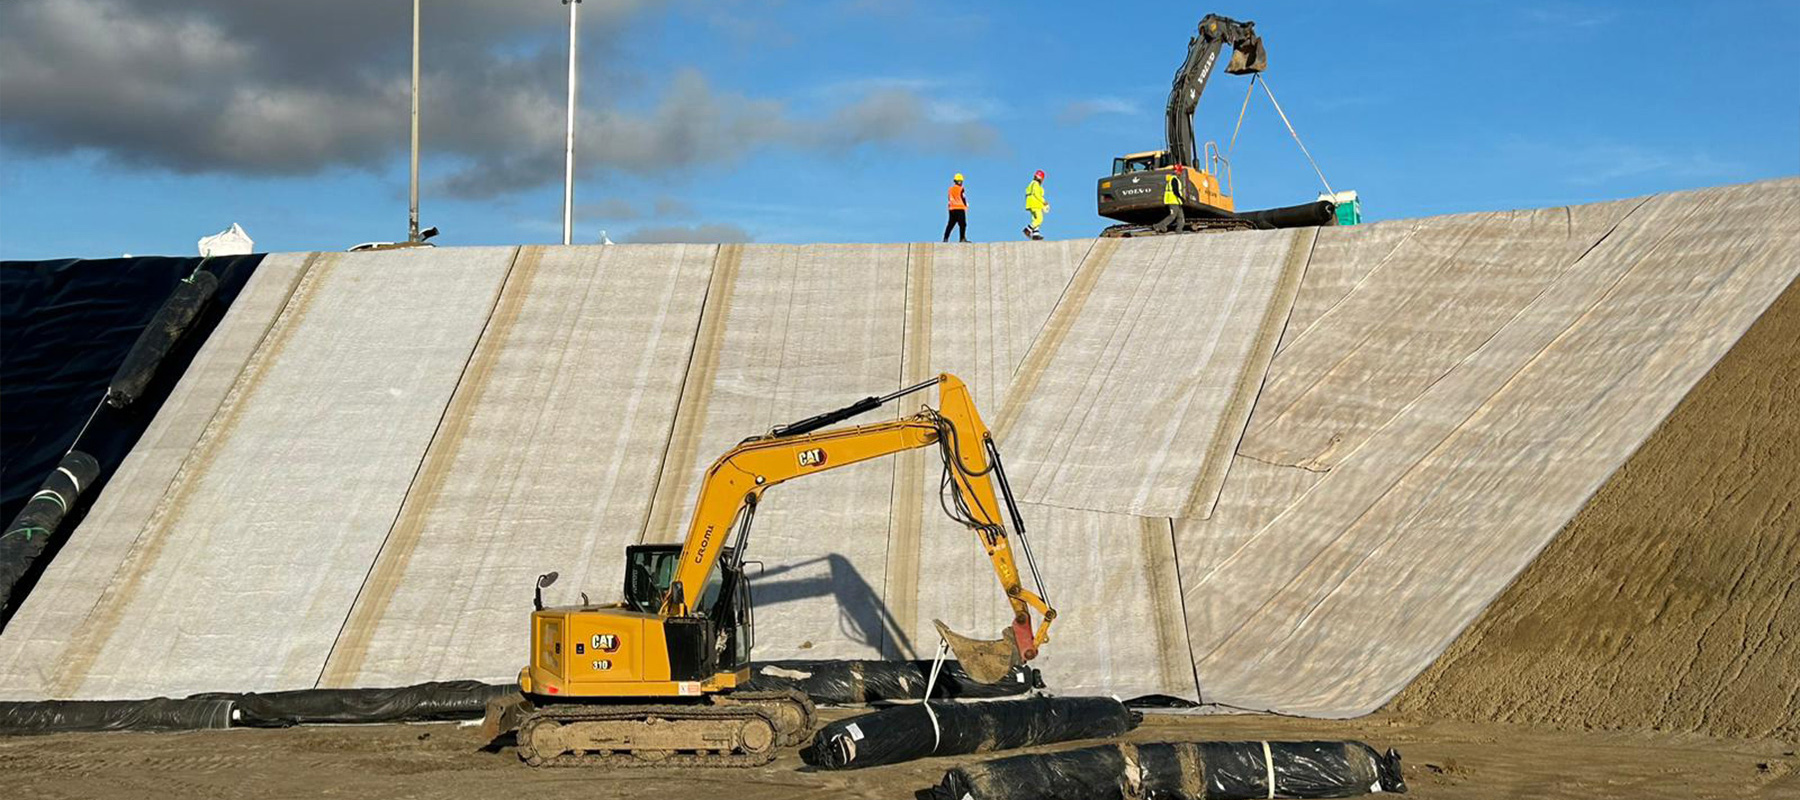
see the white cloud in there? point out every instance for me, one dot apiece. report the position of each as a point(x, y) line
point(1079, 111)
point(1599, 163)
point(711, 233)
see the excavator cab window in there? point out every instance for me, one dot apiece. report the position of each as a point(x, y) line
point(650, 568)
point(734, 616)
point(1144, 163)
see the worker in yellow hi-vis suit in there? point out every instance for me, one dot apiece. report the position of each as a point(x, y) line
point(1035, 204)
point(1176, 221)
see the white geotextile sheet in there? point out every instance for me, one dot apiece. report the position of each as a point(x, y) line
point(1423, 309)
point(546, 461)
point(793, 331)
point(1134, 398)
point(35, 641)
point(1342, 597)
point(246, 570)
point(973, 311)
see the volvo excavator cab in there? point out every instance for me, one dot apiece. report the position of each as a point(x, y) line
point(1133, 194)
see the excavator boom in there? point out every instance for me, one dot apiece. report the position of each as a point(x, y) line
point(1247, 56)
point(739, 478)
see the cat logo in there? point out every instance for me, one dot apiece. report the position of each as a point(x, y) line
point(605, 642)
point(812, 458)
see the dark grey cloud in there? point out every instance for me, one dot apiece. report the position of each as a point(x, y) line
point(711, 233)
point(611, 209)
point(295, 88)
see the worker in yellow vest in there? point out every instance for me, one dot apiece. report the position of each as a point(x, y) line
point(1035, 205)
point(959, 211)
point(1172, 188)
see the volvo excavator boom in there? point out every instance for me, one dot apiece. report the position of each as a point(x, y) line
point(654, 679)
point(1247, 56)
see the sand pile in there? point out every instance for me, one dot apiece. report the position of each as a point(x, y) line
point(1672, 601)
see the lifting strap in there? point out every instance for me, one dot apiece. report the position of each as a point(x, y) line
point(1248, 90)
point(1291, 132)
point(937, 665)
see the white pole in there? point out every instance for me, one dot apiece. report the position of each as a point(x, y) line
point(569, 145)
point(412, 223)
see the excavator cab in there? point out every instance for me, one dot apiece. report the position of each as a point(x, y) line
point(724, 601)
point(1133, 193)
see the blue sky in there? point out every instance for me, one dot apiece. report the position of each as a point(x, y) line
point(842, 121)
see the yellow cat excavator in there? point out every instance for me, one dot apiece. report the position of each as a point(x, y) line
point(653, 679)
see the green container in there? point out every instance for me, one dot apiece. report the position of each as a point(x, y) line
point(1349, 206)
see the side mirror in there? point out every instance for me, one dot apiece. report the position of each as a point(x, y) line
point(427, 234)
point(543, 582)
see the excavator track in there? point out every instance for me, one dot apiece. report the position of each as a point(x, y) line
point(794, 714)
point(648, 736)
point(743, 729)
point(1202, 225)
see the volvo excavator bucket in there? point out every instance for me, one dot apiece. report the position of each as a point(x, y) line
point(1247, 56)
point(985, 660)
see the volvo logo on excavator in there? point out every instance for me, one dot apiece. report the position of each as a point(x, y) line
point(812, 458)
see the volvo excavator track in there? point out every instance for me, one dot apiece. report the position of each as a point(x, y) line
point(738, 730)
point(1205, 225)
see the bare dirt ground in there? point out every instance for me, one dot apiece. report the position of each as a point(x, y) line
point(1443, 760)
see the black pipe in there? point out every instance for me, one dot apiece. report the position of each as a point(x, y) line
point(1305, 215)
point(29, 534)
point(159, 337)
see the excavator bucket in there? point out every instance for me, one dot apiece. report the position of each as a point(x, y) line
point(1248, 56)
point(985, 660)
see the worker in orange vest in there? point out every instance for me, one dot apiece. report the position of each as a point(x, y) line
point(959, 211)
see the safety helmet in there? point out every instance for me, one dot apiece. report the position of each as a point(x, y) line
point(1039, 175)
point(957, 177)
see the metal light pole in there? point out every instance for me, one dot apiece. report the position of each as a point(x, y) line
point(569, 144)
point(412, 217)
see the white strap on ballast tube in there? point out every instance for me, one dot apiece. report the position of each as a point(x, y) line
point(1269, 765)
point(937, 665)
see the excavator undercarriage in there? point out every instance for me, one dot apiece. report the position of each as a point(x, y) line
point(736, 730)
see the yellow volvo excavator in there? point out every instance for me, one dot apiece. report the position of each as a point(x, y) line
point(1133, 193)
point(654, 679)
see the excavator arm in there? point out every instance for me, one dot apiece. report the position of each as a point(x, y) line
point(734, 484)
point(1247, 56)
